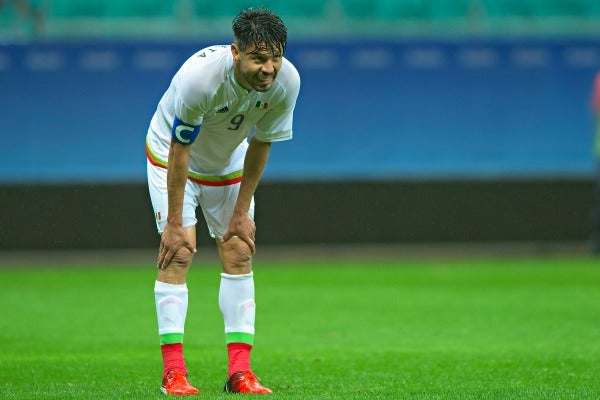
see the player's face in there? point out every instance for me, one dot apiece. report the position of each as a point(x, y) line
point(256, 68)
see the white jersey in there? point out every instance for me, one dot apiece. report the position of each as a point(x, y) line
point(205, 93)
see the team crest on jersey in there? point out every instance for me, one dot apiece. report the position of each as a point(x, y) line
point(261, 104)
point(223, 110)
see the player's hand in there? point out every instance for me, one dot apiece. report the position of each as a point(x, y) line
point(172, 240)
point(242, 226)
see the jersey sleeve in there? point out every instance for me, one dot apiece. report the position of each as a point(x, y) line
point(188, 101)
point(276, 125)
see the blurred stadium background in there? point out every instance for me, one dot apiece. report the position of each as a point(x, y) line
point(418, 121)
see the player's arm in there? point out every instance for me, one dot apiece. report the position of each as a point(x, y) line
point(174, 237)
point(179, 158)
point(241, 224)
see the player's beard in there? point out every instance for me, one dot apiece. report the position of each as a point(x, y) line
point(262, 82)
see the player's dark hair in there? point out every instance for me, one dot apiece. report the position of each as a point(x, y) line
point(260, 27)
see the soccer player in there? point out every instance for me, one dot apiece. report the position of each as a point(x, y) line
point(207, 146)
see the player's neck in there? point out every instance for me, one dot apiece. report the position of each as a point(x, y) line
point(239, 81)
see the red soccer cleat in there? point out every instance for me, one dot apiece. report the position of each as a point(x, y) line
point(175, 383)
point(245, 382)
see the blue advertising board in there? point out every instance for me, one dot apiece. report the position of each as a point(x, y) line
point(372, 109)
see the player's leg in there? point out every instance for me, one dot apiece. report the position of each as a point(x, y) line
point(236, 290)
point(171, 298)
point(170, 288)
point(236, 301)
point(595, 214)
point(596, 204)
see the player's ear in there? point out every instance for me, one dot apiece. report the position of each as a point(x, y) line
point(235, 51)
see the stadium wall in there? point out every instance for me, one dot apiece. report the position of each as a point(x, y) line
point(98, 216)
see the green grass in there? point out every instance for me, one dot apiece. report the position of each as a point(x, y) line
point(473, 329)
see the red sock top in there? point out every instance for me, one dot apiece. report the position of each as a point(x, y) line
point(239, 357)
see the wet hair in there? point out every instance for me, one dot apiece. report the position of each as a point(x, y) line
point(259, 27)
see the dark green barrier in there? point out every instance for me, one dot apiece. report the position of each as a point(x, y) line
point(120, 215)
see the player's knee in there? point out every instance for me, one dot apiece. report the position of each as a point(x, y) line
point(237, 258)
point(182, 259)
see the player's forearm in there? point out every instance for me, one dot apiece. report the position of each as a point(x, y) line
point(176, 179)
point(254, 165)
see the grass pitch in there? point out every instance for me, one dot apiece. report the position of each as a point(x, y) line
point(474, 329)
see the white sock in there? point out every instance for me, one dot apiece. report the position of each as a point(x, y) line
point(171, 310)
point(236, 300)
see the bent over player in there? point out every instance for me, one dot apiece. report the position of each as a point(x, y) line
point(207, 146)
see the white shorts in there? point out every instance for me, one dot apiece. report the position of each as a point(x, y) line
point(216, 202)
